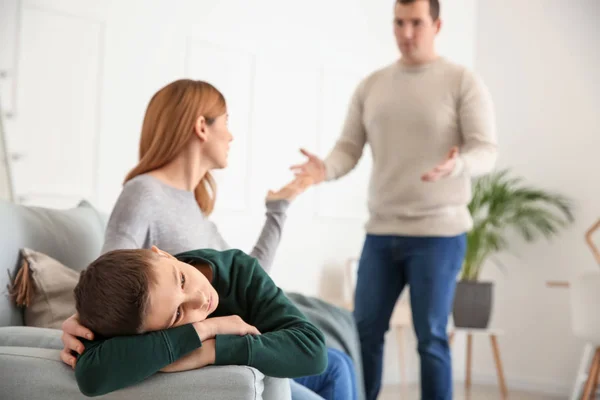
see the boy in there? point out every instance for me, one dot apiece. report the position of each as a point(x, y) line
point(154, 312)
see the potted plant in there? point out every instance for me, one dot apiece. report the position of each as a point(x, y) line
point(500, 205)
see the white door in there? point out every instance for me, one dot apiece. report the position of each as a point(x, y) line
point(53, 63)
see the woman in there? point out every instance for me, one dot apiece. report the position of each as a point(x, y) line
point(168, 196)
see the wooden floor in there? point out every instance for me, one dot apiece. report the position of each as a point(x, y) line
point(477, 392)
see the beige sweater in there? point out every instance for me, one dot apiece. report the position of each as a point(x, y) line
point(411, 117)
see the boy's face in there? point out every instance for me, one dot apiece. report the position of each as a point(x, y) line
point(181, 295)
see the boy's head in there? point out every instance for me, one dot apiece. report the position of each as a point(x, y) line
point(126, 292)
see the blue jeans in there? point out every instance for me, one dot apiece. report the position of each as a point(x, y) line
point(337, 382)
point(429, 265)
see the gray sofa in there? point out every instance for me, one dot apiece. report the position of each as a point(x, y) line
point(30, 365)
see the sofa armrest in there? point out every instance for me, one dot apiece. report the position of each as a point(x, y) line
point(29, 336)
point(38, 374)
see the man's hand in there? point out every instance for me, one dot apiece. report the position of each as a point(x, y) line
point(230, 325)
point(71, 330)
point(443, 169)
point(290, 191)
point(314, 168)
point(201, 357)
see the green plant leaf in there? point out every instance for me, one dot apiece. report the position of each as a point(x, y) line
point(502, 203)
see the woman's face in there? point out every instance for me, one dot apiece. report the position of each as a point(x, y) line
point(218, 139)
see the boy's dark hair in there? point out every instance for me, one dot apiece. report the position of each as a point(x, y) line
point(434, 7)
point(112, 294)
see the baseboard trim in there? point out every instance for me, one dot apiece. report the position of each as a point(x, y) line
point(540, 386)
point(526, 385)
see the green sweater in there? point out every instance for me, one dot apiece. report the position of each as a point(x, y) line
point(289, 346)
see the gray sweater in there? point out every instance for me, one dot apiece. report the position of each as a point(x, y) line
point(149, 212)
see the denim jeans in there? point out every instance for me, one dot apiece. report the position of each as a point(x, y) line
point(337, 382)
point(429, 265)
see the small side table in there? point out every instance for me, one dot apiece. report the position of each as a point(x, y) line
point(493, 334)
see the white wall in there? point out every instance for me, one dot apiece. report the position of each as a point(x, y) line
point(541, 59)
point(80, 74)
point(5, 182)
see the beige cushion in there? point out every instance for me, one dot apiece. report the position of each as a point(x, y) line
point(50, 285)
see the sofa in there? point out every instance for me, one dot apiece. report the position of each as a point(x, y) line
point(30, 365)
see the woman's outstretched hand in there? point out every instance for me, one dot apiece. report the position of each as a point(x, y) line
point(290, 191)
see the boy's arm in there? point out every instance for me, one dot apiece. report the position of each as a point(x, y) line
point(289, 345)
point(199, 358)
point(112, 364)
point(207, 329)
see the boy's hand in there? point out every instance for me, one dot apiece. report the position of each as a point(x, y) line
point(71, 330)
point(201, 357)
point(230, 325)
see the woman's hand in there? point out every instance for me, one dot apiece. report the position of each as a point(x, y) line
point(201, 357)
point(71, 330)
point(290, 191)
point(230, 325)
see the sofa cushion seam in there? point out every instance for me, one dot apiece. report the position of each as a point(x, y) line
point(29, 356)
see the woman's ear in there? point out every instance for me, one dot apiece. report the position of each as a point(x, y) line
point(200, 129)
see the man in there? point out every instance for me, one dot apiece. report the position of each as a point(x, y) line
point(430, 126)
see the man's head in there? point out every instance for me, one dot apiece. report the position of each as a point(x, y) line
point(126, 292)
point(416, 24)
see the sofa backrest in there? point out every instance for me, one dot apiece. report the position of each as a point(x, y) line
point(72, 236)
